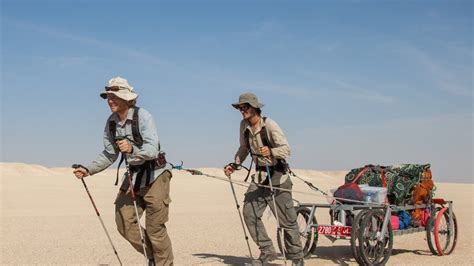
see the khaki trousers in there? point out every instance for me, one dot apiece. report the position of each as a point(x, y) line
point(155, 200)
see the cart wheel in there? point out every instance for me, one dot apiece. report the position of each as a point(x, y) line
point(371, 250)
point(309, 240)
point(430, 230)
point(355, 235)
point(438, 233)
point(445, 232)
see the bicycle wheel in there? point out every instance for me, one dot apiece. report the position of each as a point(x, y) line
point(355, 235)
point(430, 230)
point(308, 240)
point(445, 232)
point(373, 251)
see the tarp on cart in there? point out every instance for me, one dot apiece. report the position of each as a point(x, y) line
point(400, 179)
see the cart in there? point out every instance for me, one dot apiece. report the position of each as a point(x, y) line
point(369, 230)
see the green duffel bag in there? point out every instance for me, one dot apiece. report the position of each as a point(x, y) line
point(399, 179)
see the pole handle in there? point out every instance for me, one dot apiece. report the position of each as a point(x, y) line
point(76, 165)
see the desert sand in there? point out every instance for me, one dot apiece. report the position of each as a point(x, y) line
point(47, 218)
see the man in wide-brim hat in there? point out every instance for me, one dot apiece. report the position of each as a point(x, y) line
point(119, 87)
point(268, 146)
point(131, 130)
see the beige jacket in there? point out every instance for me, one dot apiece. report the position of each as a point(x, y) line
point(276, 137)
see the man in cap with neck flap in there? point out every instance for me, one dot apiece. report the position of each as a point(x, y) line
point(131, 130)
point(268, 146)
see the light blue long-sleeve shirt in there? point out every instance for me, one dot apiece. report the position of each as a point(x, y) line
point(148, 151)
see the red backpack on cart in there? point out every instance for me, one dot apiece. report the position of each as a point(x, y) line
point(351, 190)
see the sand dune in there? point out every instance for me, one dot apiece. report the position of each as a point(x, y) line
point(46, 218)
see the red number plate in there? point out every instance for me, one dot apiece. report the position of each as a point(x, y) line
point(334, 230)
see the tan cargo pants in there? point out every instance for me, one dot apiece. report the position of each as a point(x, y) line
point(155, 200)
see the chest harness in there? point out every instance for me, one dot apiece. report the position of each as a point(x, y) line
point(281, 166)
point(143, 170)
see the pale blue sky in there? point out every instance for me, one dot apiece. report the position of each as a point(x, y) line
point(350, 82)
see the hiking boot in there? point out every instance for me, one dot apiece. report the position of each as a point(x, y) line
point(265, 257)
point(298, 262)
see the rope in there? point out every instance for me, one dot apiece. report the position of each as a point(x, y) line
point(244, 184)
point(308, 183)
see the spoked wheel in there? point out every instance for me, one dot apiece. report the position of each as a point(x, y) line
point(373, 251)
point(355, 235)
point(444, 232)
point(430, 230)
point(308, 240)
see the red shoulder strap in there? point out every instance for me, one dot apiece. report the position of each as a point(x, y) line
point(360, 174)
point(382, 174)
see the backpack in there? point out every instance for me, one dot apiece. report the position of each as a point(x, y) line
point(263, 135)
point(281, 166)
point(137, 137)
point(351, 190)
point(138, 140)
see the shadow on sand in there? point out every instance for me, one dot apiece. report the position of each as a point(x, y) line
point(226, 259)
point(342, 255)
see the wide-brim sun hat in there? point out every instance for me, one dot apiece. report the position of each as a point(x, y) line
point(249, 98)
point(120, 88)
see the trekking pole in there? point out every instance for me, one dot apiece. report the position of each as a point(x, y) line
point(129, 176)
point(98, 214)
point(279, 229)
point(132, 192)
point(240, 214)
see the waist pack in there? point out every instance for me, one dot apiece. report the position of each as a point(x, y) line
point(145, 170)
point(281, 167)
point(154, 164)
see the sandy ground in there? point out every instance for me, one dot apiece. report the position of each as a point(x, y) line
point(47, 218)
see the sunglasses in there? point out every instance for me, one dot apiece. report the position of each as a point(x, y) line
point(112, 88)
point(243, 108)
